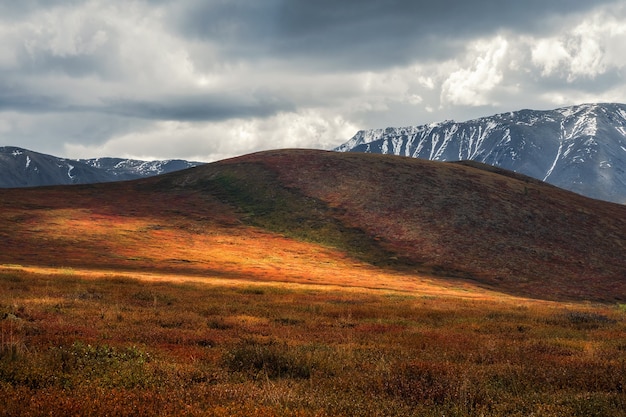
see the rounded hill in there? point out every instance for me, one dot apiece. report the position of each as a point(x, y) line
point(464, 220)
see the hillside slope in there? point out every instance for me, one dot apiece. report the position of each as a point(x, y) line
point(273, 210)
point(580, 148)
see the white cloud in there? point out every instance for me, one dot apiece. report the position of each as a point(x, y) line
point(471, 85)
point(413, 99)
point(6, 125)
point(218, 140)
point(592, 47)
point(587, 59)
point(9, 37)
point(426, 82)
point(69, 35)
point(123, 44)
point(549, 55)
point(578, 54)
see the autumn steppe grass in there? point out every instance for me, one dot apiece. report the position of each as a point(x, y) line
point(79, 343)
point(310, 283)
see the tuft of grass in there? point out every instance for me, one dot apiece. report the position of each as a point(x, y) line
point(585, 319)
point(12, 345)
point(271, 359)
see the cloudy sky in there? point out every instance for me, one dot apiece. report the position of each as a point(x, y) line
point(210, 79)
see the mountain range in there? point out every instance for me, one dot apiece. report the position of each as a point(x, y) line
point(580, 148)
point(24, 168)
point(303, 215)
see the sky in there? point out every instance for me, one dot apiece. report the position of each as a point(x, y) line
point(206, 80)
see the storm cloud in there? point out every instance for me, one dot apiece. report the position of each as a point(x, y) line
point(211, 79)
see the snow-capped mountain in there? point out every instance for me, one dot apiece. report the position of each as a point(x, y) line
point(24, 168)
point(122, 169)
point(580, 148)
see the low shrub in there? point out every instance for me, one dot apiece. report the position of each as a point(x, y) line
point(78, 364)
point(587, 320)
point(271, 359)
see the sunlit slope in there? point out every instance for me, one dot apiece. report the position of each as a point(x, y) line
point(471, 221)
point(313, 216)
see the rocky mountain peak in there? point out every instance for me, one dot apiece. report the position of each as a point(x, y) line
point(580, 148)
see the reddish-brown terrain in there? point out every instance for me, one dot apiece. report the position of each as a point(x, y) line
point(312, 284)
point(291, 214)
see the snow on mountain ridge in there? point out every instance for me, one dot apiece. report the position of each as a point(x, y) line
point(24, 168)
point(580, 148)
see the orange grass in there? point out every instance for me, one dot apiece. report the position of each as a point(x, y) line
point(79, 342)
point(96, 237)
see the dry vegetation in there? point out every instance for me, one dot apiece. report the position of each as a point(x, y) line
point(106, 344)
point(247, 288)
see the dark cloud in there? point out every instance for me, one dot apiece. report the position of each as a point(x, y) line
point(598, 85)
point(10, 10)
point(194, 108)
point(198, 107)
point(352, 34)
point(17, 98)
point(28, 103)
point(398, 31)
point(454, 17)
point(231, 76)
point(74, 66)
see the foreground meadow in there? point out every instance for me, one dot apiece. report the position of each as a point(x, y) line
point(84, 343)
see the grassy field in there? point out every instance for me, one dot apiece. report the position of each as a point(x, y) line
point(300, 283)
point(79, 342)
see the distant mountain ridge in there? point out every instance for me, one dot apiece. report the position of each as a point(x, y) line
point(24, 168)
point(579, 148)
